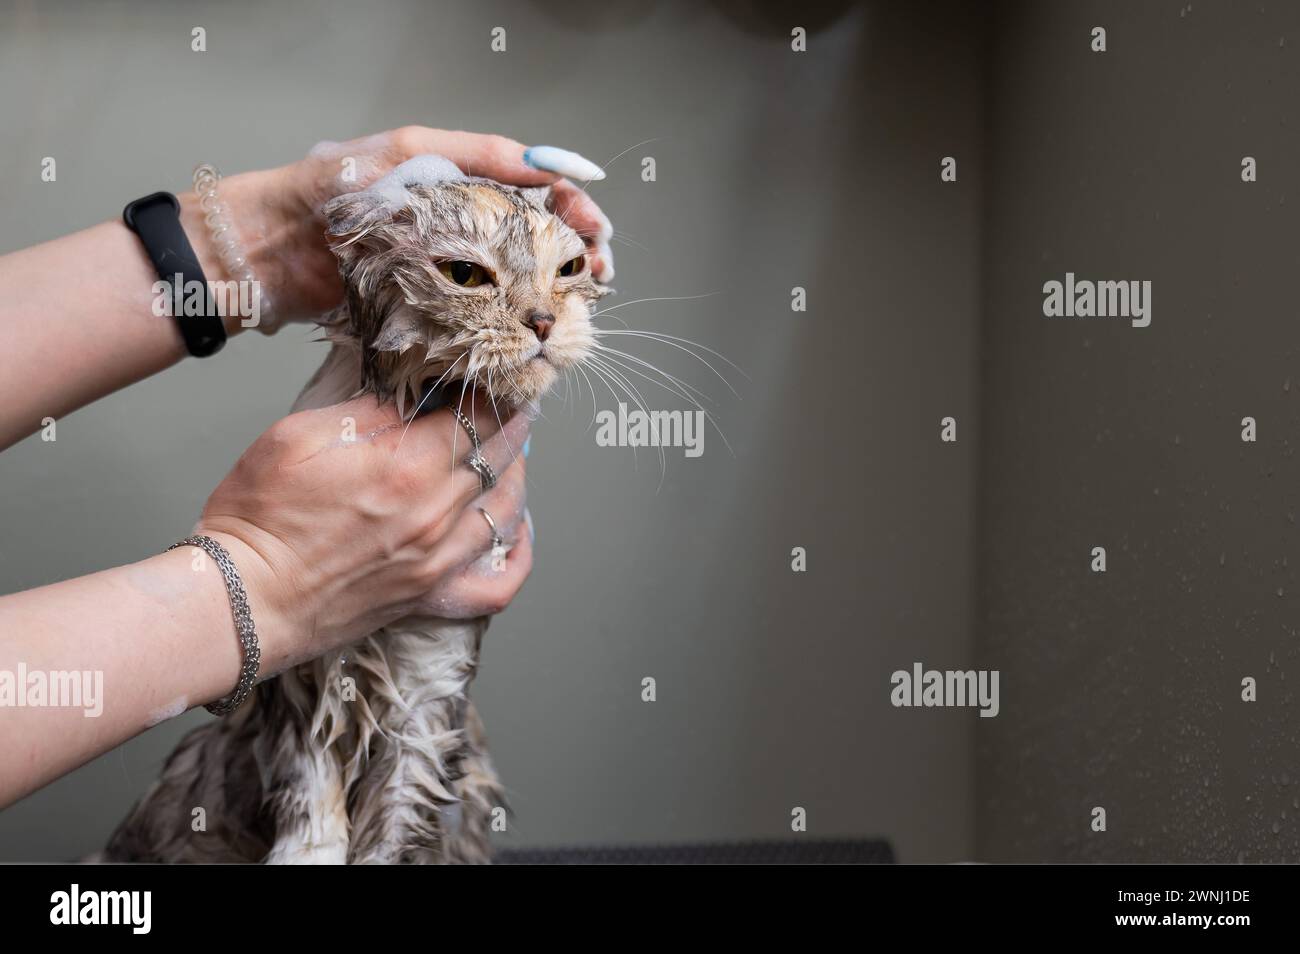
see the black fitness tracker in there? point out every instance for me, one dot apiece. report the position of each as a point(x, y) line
point(156, 219)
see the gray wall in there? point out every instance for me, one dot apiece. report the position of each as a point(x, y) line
point(1122, 689)
point(775, 170)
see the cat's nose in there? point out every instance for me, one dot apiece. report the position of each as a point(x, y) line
point(541, 322)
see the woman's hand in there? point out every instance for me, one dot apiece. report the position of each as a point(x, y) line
point(336, 535)
point(333, 536)
point(277, 212)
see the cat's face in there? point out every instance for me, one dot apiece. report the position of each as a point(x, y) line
point(465, 280)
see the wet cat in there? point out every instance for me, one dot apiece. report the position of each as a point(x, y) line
point(448, 279)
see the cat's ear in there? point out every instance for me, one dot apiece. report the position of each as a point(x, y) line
point(537, 197)
point(346, 215)
point(356, 224)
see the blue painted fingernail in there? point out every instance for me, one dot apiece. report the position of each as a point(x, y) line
point(563, 162)
point(527, 444)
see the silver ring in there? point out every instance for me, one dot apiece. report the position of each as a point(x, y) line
point(486, 475)
point(498, 551)
point(497, 540)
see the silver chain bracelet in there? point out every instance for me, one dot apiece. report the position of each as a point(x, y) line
point(243, 622)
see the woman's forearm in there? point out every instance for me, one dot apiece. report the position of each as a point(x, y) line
point(331, 540)
point(88, 663)
point(77, 321)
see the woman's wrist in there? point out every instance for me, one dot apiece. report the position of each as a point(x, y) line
point(278, 612)
point(194, 221)
point(281, 238)
point(200, 603)
point(213, 614)
point(255, 210)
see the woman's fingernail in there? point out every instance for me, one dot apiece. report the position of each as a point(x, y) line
point(607, 262)
point(606, 231)
point(528, 519)
point(562, 162)
point(527, 444)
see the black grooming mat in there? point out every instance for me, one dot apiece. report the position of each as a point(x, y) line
point(795, 851)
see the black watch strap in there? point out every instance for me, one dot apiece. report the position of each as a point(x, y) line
point(156, 219)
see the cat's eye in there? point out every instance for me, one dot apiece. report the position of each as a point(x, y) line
point(465, 274)
point(572, 267)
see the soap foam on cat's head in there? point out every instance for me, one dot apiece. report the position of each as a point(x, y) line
point(394, 188)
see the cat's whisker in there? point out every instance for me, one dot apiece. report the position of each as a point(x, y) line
point(682, 394)
point(605, 379)
point(428, 391)
point(605, 376)
point(523, 398)
point(674, 338)
point(644, 405)
point(618, 236)
point(580, 370)
point(680, 344)
point(646, 364)
point(643, 142)
point(628, 386)
point(460, 405)
point(642, 301)
point(491, 395)
point(634, 393)
point(571, 383)
point(500, 424)
point(444, 374)
point(473, 404)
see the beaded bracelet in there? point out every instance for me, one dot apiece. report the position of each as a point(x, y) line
point(225, 238)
